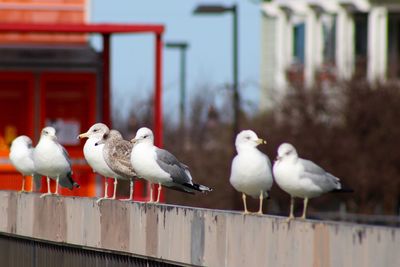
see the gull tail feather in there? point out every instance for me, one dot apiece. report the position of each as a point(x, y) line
point(68, 182)
point(343, 190)
point(37, 179)
point(198, 187)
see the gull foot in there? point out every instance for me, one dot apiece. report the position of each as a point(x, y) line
point(101, 199)
point(289, 219)
point(45, 195)
point(259, 213)
point(126, 199)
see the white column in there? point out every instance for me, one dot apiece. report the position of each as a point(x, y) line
point(377, 44)
point(345, 50)
point(309, 57)
point(284, 52)
point(313, 46)
point(288, 31)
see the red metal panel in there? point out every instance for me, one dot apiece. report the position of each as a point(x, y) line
point(158, 119)
point(16, 102)
point(158, 113)
point(82, 28)
point(16, 107)
point(106, 79)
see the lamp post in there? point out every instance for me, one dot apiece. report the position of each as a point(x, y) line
point(220, 9)
point(182, 46)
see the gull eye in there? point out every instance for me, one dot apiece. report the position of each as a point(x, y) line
point(145, 136)
point(95, 130)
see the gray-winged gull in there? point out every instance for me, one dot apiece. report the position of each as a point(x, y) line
point(94, 153)
point(251, 172)
point(116, 153)
point(301, 178)
point(159, 166)
point(21, 156)
point(52, 160)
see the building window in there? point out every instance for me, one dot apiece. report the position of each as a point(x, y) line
point(394, 45)
point(298, 43)
point(361, 45)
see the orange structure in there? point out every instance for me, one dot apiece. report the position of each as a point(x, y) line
point(43, 11)
point(44, 80)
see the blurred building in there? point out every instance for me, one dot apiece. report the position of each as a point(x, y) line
point(51, 75)
point(309, 41)
point(47, 79)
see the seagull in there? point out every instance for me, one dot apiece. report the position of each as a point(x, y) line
point(52, 160)
point(94, 153)
point(301, 178)
point(21, 156)
point(251, 169)
point(116, 154)
point(160, 166)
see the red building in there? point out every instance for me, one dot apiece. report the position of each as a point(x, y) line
point(49, 75)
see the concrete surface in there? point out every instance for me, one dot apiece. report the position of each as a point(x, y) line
point(195, 236)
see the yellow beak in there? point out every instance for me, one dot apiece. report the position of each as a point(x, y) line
point(83, 135)
point(261, 141)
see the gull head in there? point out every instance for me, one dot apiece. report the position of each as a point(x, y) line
point(143, 135)
point(22, 141)
point(96, 131)
point(110, 135)
point(286, 151)
point(248, 138)
point(48, 132)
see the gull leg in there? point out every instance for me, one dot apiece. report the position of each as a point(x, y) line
point(57, 182)
point(151, 193)
point(261, 203)
point(245, 204)
point(305, 208)
point(32, 182)
point(130, 191)
point(291, 216)
point(105, 196)
point(23, 184)
point(105, 188)
point(159, 193)
point(115, 188)
point(48, 188)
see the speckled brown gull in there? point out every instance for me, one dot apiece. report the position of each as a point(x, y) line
point(116, 153)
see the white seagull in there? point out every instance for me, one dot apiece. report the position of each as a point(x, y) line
point(301, 178)
point(116, 153)
point(94, 153)
point(21, 156)
point(160, 166)
point(251, 172)
point(52, 160)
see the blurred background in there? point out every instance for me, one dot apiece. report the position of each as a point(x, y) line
point(320, 74)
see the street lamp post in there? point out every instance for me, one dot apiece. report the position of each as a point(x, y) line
point(182, 46)
point(220, 9)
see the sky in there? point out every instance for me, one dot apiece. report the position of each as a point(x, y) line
point(209, 57)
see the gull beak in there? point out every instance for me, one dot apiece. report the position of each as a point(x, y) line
point(82, 135)
point(261, 141)
point(134, 140)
